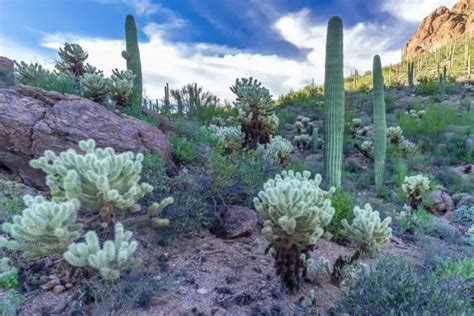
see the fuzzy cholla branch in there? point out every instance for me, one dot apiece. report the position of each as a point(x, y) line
point(112, 258)
point(44, 228)
point(72, 59)
point(414, 187)
point(229, 138)
point(94, 87)
point(367, 229)
point(100, 179)
point(121, 86)
point(276, 151)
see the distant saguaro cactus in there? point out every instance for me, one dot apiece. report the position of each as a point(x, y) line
point(411, 73)
point(334, 102)
point(132, 56)
point(380, 124)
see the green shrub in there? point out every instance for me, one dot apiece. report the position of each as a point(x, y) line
point(394, 286)
point(310, 96)
point(427, 87)
point(11, 203)
point(464, 215)
point(184, 150)
point(400, 171)
point(389, 102)
point(461, 268)
point(343, 204)
point(9, 302)
point(440, 228)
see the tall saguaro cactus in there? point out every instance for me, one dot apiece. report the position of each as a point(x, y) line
point(411, 73)
point(380, 123)
point(334, 102)
point(132, 56)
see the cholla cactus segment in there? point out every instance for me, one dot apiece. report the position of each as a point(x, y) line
point(121, 86)
point(356, 122)
point(416, 114)
point(229, 138)
point(8, 273)
point(367, 147)
point(255, 109)
point(367, 229)
point(113, 257)
point(407, 146)
point(302, 141)
point(276, 151)
point(94, 87)
point(100, 178)
point(295, 211)
point(44, 228)
point(414, 187)
point(395, 135)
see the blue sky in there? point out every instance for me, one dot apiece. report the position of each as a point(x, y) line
point(213, 42)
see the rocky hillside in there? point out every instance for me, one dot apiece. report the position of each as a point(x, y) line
point(440, 27)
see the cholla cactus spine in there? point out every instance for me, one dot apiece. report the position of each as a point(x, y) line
point(334, 103)
point(111, 259)
point(100, 179)
point(367, 229)
point(295, 211)
point(414, 187)
point(380, 124)
point(44, 228)
point(277, 150)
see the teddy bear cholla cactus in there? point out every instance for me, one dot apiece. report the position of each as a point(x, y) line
point(44, 228)
point(255, 111)
point(276, 151)
point(112, 258)
point(121, 86)
point(295, 211)
point(229, 138)
point(100, 179)
point(94, 87)
point(367, 147)
point(414, 187)
point(304, 131)
point(395, 135)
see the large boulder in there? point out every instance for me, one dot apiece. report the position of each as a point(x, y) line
point(236, 221)
point(442, 203)
point(33, 120)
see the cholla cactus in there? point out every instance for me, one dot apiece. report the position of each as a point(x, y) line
point(354, 126)
point(72, 59)
point(295, 211)
point(94, 87)
point(255, 111)
point(44, 228)
point(367, 229)
point(114, 256)
point(121, 86)
point(276, 151)
point(395, 135)
point(408, 220)
point(302, 141)
point(100, 179)
point(416, 114)
point(304, 131)
point(29, 74)
point(8, 273)
point(406, 146)
point(367, 147)
point(414, 187)
point(229, 138)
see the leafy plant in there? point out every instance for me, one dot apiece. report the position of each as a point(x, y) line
point(343, 204)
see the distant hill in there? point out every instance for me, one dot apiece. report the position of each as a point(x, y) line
point(441, 27)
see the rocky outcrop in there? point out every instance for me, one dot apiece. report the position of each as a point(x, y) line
point(6, 72)
point(236, 221)
point(33, 120)
point(442, 203)
point(441, 27)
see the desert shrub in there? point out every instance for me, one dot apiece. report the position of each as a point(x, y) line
point(343, 204)
point(10, 202)
point(389, 102)
point(310, 96)
point(464, 215)
point(450, 179)
point(460, 268)
point(400, 171)
point(427, 87)
point(9, 302)
point(440, 228)
point(184, 150)
point(395, 286)
point(194, 132)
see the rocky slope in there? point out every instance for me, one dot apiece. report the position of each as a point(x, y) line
point(440, 27)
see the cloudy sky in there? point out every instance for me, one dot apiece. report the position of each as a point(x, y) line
point(212, 42)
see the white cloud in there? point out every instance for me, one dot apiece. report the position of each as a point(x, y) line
point(413, 10)
point(141, 7)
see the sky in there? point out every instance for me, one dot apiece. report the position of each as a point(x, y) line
point(213, 42)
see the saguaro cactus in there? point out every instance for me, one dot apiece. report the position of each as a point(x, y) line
point(167, 97)
point(380, 124)
point(334, 102)
point(132, 56)
point(411, 73)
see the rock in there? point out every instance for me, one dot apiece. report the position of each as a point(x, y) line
point(69, 285)
point(59, 289)
point(442, 201)
point(182, 290)
point(33, 120)
point(51, 284)
point(6, 72)
point(202, 291)
point(236, 221)
point(218, 311)
point(441, 27)
point(461, 199)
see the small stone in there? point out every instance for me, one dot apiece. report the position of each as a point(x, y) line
point(52, 277)
point(69, 285)
point(59, 289)
point(182, 290)
point(49, 285)
point(202, 291)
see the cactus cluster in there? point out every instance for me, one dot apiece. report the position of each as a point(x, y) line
point(255, 111)
point(229, 138)
point(416, 114)
point(73, 57)
point(114, 256)
point(367, 230)
point(44, 228)
point(380, 124)
point(395, 137)
point(121, 86)
point(100, 179)
point(278, 150)
point(304, 132)
point(132, 55)
point(295, 211)
point(414, 187)
point(94, 87)
point(367, 148)
point(334, 102)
